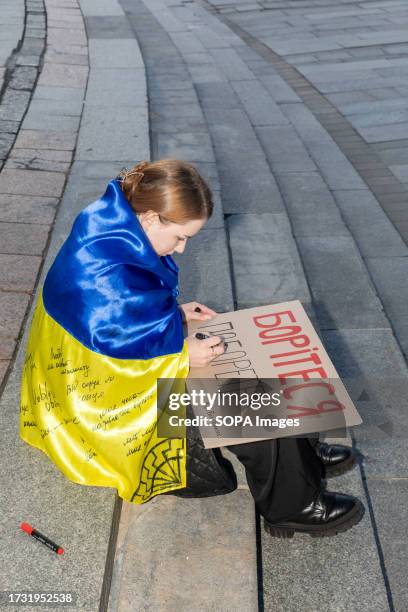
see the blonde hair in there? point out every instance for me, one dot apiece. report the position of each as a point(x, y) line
point(172, 188)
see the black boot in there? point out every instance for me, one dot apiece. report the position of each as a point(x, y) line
point(337, 458)
point(327, 515)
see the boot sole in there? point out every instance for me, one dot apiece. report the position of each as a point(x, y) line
point(343, 523)
point(341, 468)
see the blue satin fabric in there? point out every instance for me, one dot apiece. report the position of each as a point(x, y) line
point(109, 288)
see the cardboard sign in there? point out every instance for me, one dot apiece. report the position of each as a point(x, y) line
point(279, 342)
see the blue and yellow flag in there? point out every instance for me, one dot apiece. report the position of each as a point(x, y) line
point(105, 327)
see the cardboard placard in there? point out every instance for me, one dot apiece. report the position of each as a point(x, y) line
point(276, 341)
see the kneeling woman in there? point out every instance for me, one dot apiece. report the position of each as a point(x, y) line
point(107, 325)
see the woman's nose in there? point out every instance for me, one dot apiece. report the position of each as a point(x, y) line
point(180, 247)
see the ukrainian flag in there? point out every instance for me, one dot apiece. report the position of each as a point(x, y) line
point(105, 327)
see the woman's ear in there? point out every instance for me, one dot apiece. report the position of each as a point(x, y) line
point(149, 219)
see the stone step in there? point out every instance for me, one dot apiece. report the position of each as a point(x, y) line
point(170, 535)
point(77, 517)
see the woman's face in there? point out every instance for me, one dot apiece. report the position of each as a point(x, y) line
point(168, 238)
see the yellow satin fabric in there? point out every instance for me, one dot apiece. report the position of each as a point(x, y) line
point(95, 416)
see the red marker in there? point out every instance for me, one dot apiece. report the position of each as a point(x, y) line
point(39, 536)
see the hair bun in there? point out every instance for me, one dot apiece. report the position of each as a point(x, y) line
point(141, 166)
point(137, 172)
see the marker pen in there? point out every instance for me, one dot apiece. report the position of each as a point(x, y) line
point(41, 538)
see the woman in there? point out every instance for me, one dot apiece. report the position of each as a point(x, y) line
point(107, 326)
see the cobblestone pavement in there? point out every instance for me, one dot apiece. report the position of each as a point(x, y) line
point(296, 111)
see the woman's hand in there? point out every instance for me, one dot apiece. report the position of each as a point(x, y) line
point(190, 314)
point(202, 352)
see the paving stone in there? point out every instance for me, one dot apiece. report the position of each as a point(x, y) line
point(41, 121)
point(389, 274)
point(184, 145)
point(65, 95)
point(362, 84)
point(168, 523)
point(385, 93)
point(23, 238)
point(39, 139)
point(327, 76)
point(35, 162)
point(27, 209)
point(12, 308)
point(353, 554)
point(6, 142)
point(66, 58)
point(217, 95)
point(342, 292)
point(373, 358)
point(71, 49)
point(384, 458)
point(27, 60)
point(36, 32)
point(400, 172)
point(261, 108)
point(204, 271)
point(115, 87)
point(23, 182)
point(8, 344)
point(369, 225)
point(312, 210)
point(335, 167)
point(388, 499)
point(209, 38)
point(106, 53)
point(102, 7)
point(266, 263)
point(4, 364)
point(60, 36)
point(187, 42)
point(231, 64)
point(232, 133)
point(158, 96)
point(32, 45)
point(63, 75)
point(247, 182)
point(307, 126)
point(178, 124)
point(98, 140)
point(23, 77)
point(284, 149)
point(18, 272)
point(386, 117)
point(353, 106)
point(384, 132)
point(17, 99)
point(55, 108)
point(31, 492)
point(205, 73)
point(393, 157)
point(9, 126)
point(342, 99)
point(301, 46)
point(108, 26)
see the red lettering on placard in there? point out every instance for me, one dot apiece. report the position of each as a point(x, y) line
point(271, 332)
point(302, 374)
point(288, 392)
point(278, 321)
point(320, 409)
